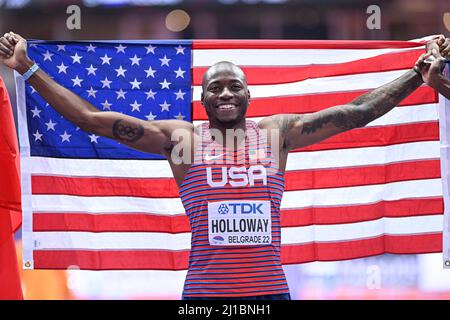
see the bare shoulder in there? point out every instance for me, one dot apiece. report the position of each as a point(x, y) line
point(175, 124)
point(279, 121)
point(170, 126)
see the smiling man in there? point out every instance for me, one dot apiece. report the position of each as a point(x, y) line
point(232, 188)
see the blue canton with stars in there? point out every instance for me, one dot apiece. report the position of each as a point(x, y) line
point(147, 80)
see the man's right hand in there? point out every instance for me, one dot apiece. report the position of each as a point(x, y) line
point(13, 51)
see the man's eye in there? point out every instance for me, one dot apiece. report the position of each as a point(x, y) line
point(214, 89)
point(237, 87)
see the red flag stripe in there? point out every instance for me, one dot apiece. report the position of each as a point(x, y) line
point(116, 222)
point(303, 44)
point(261, 107)
point(178, 260)
point(144, 222)
point(379, 136)
point(295, 180)
point(358, 213)
point(422, 243)
point(281, 74)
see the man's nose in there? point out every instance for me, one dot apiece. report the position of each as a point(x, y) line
point(226, 94)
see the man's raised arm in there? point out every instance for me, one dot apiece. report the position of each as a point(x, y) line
point(303, 130)
point(147, 136)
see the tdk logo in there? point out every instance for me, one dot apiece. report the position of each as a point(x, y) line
point(238, 176)
point(240, 208)
point(223, 209)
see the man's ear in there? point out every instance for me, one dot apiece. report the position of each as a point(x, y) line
point(248, 94)
point(201, 99)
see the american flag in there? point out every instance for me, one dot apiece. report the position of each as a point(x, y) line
point(92, 203)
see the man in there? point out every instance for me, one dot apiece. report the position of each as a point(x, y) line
point(231, 197)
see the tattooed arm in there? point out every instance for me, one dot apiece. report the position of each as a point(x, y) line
point(147, 136)
point(302, 130)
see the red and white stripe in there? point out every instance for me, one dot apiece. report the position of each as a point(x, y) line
point(365, 192)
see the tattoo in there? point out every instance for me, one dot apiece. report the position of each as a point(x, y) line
point(365, 108)
point(126, 132)
point(286, 121)
point(344, 117)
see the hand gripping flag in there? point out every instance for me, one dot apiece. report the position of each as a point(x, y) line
point(92, 203)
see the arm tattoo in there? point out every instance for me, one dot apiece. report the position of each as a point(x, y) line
point(126, 132)
point(344, 117)
point(365, 108)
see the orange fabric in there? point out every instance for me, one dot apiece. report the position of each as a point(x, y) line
point(10, 210)
point(43, 284)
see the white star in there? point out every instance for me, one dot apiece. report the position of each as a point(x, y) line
point(135, 106)
point(33, 45)
point(62, 68)
point(91, 92)
point(36, 112)
point(90, 47)
point(165, 61)
point(47, 56)
point(120, 48)
point(180, 95)
point(164, 106)
point(37, 136)
point(32, 90)
point(135, 60)
point(151, 49)
point(180, 49)
point(105, 59)
point(50, 125)
point(179, 73)
point(76, 58)
point(135, 84)
point(150, 72)
point(61, 47)
point(165, 84)
point(65, 136)
point(91, 70)
point(94, 138)
point(150, 116)
point(106, 83)
point(179, 116)
point(150, 94)
point(120, 94)
point(106, 105)
point(121, 71)
point(77, 81)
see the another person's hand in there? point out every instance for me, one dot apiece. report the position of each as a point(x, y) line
point(440, 44)
point(13, 50)
point(422, 67)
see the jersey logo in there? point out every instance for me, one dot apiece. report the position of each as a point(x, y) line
point(209, 158)
point(238, 176)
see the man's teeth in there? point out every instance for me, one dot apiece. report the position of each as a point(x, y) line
point(227, 106)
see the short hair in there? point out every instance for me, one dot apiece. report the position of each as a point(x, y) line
point(223, 66)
